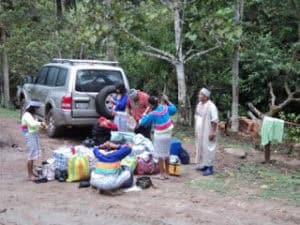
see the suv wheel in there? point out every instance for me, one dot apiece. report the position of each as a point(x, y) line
point(103, 105)
point(52, 130)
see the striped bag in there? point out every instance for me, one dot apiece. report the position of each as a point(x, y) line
point(78, 168)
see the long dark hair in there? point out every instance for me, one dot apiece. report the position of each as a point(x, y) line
point(153, 101)
point(121, 87)
point(31, 110)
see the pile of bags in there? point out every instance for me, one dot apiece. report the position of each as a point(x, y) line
point(73, 163)
point(78, 163)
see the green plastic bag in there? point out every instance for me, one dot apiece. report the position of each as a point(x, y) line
point(129, 161)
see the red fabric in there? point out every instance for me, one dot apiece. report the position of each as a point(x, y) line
point(103, 122)
point(112, 125)
point(164, 126)
point(101, 119)
point(138, 108)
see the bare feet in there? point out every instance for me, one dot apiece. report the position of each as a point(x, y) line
point(32, 178)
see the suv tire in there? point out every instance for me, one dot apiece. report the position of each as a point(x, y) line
point(102, 101)
point(52, 130)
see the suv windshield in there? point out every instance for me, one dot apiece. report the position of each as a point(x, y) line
point(95, 80)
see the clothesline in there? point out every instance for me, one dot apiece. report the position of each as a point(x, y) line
point(292, 124)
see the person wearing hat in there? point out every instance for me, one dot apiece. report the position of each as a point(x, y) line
point(30, 128)
point(206, 123)
point(159, 115)
point(137, 104)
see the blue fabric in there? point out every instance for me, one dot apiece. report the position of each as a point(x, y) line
point(121, 103)
point(175, 147)
point(113, 156)
point(151, 118)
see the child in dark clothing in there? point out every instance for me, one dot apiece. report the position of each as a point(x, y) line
point(101, 130)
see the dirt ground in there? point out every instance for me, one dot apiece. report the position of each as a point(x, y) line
point(172, 202)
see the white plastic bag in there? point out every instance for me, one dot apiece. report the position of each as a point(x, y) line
point(48, 169)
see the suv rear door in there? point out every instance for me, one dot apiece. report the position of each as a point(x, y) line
point(38, 89)
point(87, 85)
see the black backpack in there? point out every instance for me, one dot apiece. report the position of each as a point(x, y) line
point(184, 156)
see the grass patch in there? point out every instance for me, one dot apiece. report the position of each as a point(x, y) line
point(255, 181)
point(184, 133)
point(231, 143)
point(215, 184)
point(9, 113)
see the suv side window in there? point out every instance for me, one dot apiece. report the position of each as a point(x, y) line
point(62, 77)
point(41, 79)
point(52, 76)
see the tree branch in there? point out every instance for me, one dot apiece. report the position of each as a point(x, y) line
point(295, 99)
point(188, 58)
point(168, 3)
point(190, 51)
point(287, 89)
point(145, 45)
point(290, 98)
point(273, 97)
point(158, 56)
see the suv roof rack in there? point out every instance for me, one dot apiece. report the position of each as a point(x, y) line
point(84, 61)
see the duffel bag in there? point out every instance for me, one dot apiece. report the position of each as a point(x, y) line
point(146, 167)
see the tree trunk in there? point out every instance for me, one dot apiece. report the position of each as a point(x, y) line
point(81, 54)
point(111, 53)
point(235, 89)
point(184, 110)
point(70, 4)
point(298, 30)
point(6, 79)
point(239, 4)
point(6, 88)
point(182, 99)
point(59, 8)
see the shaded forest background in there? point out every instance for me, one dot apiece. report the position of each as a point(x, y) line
point(35, 31)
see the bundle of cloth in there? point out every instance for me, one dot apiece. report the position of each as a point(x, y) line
point(141, 144)
point(108, 174)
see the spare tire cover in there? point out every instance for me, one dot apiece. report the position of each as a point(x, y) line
point(102, 104)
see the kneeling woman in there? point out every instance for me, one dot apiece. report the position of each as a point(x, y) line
point(159, 116)
point(108, 174)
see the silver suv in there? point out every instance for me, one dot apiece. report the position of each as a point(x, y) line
point(72, 92)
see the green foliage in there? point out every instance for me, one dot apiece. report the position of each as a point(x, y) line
point(270, 47)
point(9, 113)
point(292, 133)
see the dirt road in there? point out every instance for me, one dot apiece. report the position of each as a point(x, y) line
point(172, 202)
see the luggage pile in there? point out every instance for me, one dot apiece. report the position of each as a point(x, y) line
point(81, 163)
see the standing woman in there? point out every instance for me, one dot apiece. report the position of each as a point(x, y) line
point(159, 115)
point(30, 128)
point(119, 111)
